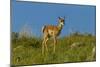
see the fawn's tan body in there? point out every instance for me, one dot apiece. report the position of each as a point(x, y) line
point(51, 31)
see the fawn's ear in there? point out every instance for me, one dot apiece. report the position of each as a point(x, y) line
point(59, 18)
point(64, 17)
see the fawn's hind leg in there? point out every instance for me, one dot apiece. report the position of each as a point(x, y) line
point(46, 44)
point(43, 47)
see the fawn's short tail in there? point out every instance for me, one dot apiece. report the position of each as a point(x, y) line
point(43, 28)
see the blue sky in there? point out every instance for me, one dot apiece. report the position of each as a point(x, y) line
point(35, 15)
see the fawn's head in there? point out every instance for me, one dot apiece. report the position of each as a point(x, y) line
point(61, 21)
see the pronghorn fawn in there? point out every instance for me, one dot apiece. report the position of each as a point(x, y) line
point(52, 31)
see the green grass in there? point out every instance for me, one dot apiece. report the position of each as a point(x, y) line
point(27, 51)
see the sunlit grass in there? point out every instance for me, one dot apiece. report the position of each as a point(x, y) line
point(28, 51)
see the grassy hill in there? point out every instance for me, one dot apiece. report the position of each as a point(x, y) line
point(72, 48)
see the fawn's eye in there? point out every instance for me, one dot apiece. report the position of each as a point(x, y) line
point(62, 20)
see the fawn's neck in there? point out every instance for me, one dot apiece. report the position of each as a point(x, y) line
point(60, 27)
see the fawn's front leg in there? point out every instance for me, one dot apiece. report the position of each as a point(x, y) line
point(55, 42)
